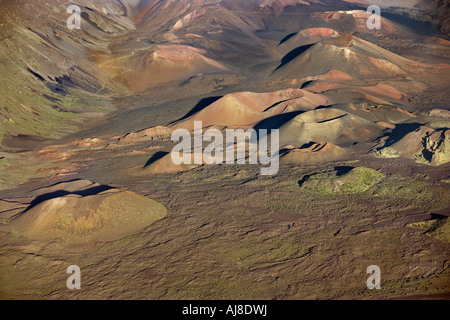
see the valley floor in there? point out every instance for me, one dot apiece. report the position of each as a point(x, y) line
point(233, 234)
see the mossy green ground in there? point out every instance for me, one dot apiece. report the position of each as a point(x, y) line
point(357, 180)
point(360, 184)
point(27, 105)
point(436, 228)
point(232, 234)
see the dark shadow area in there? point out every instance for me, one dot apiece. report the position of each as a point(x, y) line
point(276, 104)
point(305, 84)
point(287, 38)
point(335, 118)
point(276, 121)
point(304, 146)
point(321, 107)
point(303, 180)
point(65, 81)
point(294, 54)
point(158, 155)
point(341, 170)
point(427, 155)
point(307, 145)
point(337, 172)
point(56, 88)
point(399, 132)
point(61, 193)
point(441, 219)
point(202, 104)
point(37, 75)
point(422, 28)
point(437, 216)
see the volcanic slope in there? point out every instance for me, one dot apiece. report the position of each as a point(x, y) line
point(48, 85)
point(325, 135)
point(82, 211)
point(356, 57)
point(172, 63)
point(303, 38)
point(328, 125)
point(246, 109)
point(424, 145)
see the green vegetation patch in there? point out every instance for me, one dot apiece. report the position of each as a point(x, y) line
point(396, 191)
point(436, 228)
point(357, 180)
point(440, 230)
point(412, 192)
point(27, 104)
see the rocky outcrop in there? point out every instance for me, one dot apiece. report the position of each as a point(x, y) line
point(425, 145)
